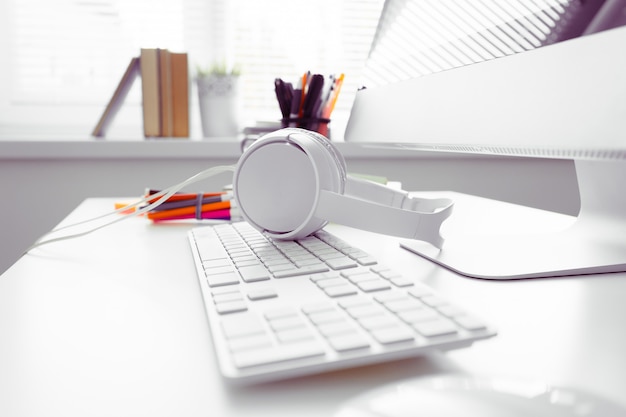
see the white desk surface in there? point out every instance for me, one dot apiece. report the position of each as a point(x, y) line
point(112, 324)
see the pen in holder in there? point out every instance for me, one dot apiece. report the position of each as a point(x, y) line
point(310, 102)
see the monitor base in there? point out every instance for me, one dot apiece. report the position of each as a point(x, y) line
point(495, 240)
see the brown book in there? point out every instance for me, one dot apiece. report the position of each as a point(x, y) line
point(180, 94)
point(119, 95)
point(151, 100)
point(165, 89)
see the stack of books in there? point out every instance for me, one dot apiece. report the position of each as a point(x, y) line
point(165, 94)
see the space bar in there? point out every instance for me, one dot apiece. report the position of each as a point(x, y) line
point(275, 354)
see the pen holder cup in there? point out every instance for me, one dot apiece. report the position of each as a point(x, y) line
point(316, 124)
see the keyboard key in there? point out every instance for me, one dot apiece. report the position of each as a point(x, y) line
point(355, 302)
point(219, 280)
point(418, 315)
point(281, 312)
point(390, 296)
point(295, 335)
point(213, 263)
point(254, 273)
point(435, 328)
point(240, 251)
point(373, 285)
point(330, 282)
point(451, 311)
point(210, 249)
point(229, 296)
point(290, 322)
point(326, 317)
point(366, 261)
point(360, 256)
point(341, 263)
point(257, 341)
point(393, 335)
point(340, 290)
point(276, 266)
point(470, 323)
point(377, 322)
point(351, 272)
point(308, 261)
point(433, 301)
point(216, 270)
point(246, 324)
point(367, 276)
point(360, 311)
point(262, 294)
point(336, 328)
point(342, 343)
point(379, 268)
point(291, 351)
point(305, 270)
point(231, 306)
point(403, 305)
point(246, 262)
point(329, 253)
point(389, 274)
point(401, 282)
point(318, 307)
point(324, 275)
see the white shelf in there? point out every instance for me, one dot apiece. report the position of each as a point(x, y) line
point(176, 149)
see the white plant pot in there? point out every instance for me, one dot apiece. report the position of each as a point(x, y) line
point(218, 99)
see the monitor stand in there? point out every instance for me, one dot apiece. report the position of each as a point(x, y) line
point(496, 240)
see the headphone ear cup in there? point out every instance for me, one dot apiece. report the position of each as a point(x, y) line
point(278, 180)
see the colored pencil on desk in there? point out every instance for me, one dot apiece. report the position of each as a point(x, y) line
point(224, 214)
point(192, 202)
point(189, 210)
point(182, 196)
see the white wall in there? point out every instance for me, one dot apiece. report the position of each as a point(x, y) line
point(41, 182)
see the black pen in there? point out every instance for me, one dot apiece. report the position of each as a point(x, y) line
point(313, 94)
point(283, 97)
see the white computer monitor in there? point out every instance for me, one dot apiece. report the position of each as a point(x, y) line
point(565, 100)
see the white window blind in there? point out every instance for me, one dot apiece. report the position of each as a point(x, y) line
point(66, 56)
point(420, 37)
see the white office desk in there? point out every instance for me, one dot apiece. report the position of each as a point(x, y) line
point(112, 324)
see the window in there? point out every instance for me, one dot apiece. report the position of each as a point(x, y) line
point(66, 57)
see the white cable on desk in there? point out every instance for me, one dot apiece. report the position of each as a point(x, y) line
point(161, 196)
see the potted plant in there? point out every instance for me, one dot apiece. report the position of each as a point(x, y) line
point(218, 95)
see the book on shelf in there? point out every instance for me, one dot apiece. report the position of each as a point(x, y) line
point(119, 95)
point(164, 94)
point(180, 94)
point(150, 92)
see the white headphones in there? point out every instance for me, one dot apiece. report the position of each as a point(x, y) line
point(290, 183)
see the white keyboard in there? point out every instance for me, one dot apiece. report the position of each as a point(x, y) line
point(279, 309)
